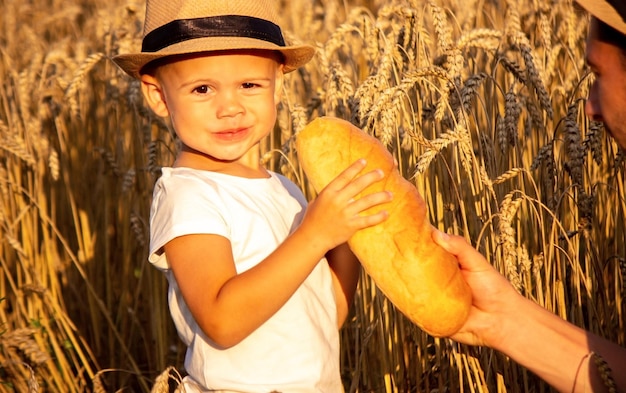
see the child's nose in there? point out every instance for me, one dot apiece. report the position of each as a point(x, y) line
point(229, 105)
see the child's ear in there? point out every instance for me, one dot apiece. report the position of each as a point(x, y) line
point(280, 77)
point(152, 92)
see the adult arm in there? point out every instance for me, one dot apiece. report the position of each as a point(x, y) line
point(554, 349)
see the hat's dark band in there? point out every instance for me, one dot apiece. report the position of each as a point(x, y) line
point(620, 7)
point(215, 26)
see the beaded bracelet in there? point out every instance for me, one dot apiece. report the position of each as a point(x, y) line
point(605, 372)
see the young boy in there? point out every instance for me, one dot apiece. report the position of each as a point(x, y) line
point(258, 286)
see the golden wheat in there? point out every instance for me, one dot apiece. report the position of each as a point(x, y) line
point(480, 103)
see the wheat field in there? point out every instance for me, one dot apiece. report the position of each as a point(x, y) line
point(480, 101)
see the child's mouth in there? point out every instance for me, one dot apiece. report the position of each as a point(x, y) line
point(232, 134)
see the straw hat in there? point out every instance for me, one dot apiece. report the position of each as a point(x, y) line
point(176, 27)
point(611, 12)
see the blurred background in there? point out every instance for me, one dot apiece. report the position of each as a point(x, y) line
point(480, 101)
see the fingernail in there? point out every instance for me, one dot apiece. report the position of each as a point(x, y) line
point(442, 235)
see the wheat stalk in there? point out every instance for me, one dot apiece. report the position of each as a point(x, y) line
point(78, 79)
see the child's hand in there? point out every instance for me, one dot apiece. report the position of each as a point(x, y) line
point(334, 216)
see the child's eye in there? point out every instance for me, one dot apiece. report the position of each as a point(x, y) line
point(201, 89)
point(249, 85)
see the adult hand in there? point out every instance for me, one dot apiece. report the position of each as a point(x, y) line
point(493, 297)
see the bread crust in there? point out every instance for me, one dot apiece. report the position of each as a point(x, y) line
point(419, 277)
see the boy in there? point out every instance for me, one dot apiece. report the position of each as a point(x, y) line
point(258, 286)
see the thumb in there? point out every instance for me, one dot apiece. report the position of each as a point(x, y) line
point(468, 257)
point(448, 242)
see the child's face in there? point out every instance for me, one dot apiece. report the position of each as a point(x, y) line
point(220, 105)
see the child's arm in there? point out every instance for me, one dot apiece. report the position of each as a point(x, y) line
point(229, 306)
point(346, 270)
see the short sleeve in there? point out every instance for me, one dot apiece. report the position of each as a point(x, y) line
point(184, 205)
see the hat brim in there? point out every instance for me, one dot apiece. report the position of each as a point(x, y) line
point(605, 12)
point(295, 56)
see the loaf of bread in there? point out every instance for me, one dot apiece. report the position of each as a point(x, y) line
point(420, 278)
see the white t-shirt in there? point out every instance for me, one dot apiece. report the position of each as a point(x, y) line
point(297, 349)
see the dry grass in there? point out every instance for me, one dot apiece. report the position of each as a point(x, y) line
point(480, 102)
